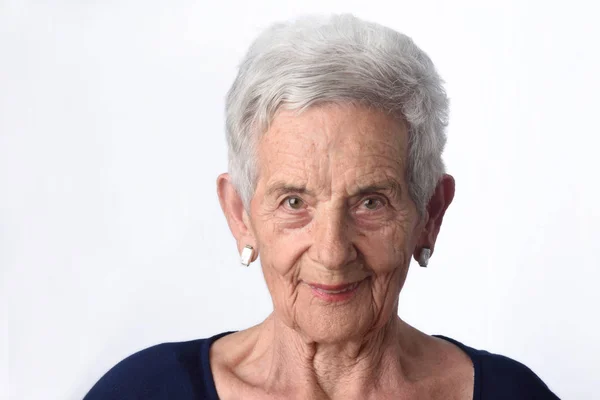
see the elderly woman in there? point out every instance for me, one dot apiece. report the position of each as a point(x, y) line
point(335, 129)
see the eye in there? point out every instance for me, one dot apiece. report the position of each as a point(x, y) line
point(295, 203)
point(372, 203)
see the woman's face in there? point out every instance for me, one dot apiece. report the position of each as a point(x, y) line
point(333, 219)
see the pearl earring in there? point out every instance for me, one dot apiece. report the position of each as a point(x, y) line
point(424, 257)
point(246, 257)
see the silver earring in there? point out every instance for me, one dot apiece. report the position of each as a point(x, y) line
point(246, 257)
point(424, 257)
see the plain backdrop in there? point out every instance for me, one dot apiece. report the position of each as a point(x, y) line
point(112, 136)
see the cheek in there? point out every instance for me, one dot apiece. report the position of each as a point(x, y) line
point(280, 251)
point(388, 249)
point(387, 254)
point(279, 254)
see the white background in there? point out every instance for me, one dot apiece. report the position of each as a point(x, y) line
point(112, 136)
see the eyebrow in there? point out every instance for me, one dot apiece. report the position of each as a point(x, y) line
point(279, 188)
point(391, 186)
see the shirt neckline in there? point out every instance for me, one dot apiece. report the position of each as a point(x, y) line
point(207, 375)
point(473, 355)
point(209, 381)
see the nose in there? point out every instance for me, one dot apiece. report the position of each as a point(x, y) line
point(332, 246)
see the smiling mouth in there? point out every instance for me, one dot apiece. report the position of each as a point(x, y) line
point(334, 289)
point(335, 293)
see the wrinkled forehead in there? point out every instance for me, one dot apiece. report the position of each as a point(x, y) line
point(331, 141)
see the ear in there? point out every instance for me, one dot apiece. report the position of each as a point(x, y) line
point(237, 217)
point(436, 208)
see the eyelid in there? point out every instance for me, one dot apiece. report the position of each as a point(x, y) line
point(289, 196)
point(378, 197)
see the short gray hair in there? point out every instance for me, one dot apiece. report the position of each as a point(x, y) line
point(337, 59)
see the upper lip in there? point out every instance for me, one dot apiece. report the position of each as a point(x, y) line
point(332, 287)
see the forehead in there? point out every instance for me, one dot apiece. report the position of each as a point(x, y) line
point(328, 142)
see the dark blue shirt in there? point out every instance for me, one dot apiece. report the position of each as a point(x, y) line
point(181, 371)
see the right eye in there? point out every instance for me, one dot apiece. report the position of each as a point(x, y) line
point(293, 202)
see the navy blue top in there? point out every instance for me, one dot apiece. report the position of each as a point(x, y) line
point(181, 371)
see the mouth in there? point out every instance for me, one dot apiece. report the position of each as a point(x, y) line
point(335, 293)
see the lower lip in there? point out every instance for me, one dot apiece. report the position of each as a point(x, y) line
point(335, 297)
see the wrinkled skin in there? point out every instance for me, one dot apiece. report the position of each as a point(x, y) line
point(334, 237)
point(332, 207)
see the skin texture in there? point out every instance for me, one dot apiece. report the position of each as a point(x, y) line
point(332, 207)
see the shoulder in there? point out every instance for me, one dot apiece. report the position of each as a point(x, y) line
point(501, 377)
point(511, 377)
point(170, 370)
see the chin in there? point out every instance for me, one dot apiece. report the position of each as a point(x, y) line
point(325, 334)
point(336, 324)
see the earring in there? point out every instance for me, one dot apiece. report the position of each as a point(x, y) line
point(246, 257)
point(424, 257)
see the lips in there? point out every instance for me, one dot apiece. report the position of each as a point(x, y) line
point(335, 293)
point(334, 289)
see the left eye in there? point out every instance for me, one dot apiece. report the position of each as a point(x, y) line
point(372, 204)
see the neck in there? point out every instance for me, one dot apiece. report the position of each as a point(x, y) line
point(291, 362)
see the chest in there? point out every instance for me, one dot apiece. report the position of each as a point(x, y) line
point(454, 387)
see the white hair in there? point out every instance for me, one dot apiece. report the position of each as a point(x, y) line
point(337, 59)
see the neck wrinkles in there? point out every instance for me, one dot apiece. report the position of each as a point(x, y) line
point(292, 364)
